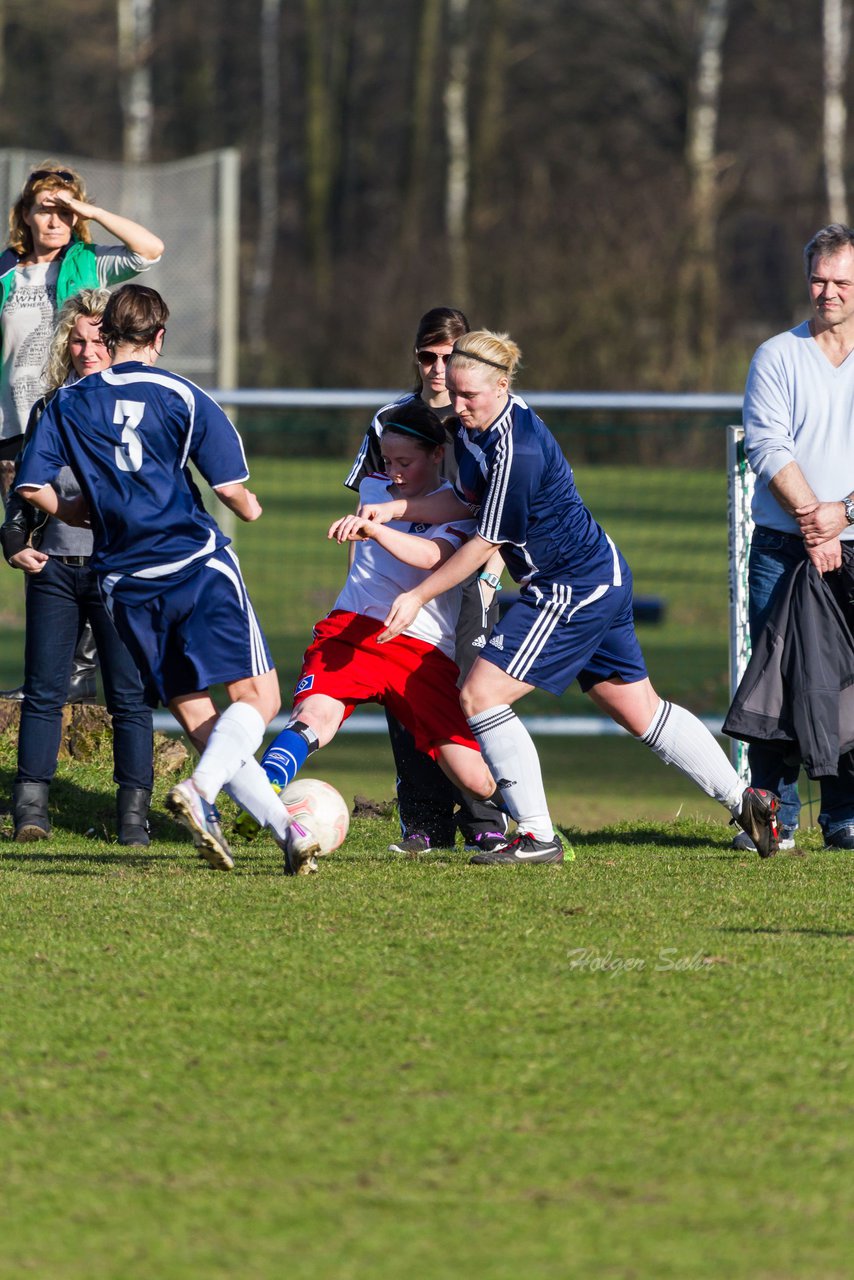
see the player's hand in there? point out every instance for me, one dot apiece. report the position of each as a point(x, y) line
point(30, 560)
point(252, 509)
point(62, 198)
point(401, 615)
point(827, 556)
point(820, 521)
point(349, 529)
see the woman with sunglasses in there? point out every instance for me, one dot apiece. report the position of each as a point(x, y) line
point(50, 258)
point(426, 797)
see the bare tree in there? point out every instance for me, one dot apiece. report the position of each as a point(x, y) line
point(457, 132)
point(836, 21)
point(697, 301)
point(135, 28)
point(419, 185)
point(268, 176)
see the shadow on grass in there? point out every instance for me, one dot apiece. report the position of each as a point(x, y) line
point(650, 836)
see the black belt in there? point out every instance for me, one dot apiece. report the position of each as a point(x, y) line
point(79, 561)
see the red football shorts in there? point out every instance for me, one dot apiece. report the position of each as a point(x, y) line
point(416, 681)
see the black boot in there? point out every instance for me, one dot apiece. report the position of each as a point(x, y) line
point(30, 802)
point(132, 810)
point(83, 685)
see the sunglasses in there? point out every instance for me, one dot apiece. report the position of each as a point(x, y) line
point(64, 175)
point(429, 358)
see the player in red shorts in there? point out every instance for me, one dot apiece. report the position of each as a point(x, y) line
point(415, 676)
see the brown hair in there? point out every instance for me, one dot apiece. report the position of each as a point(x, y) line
point(440, 326)
point(48, 176)
point(134, 316)
point(416, 421)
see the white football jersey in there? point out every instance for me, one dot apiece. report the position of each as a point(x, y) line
point(377, 577)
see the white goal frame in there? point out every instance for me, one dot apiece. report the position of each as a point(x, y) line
point(740, 523)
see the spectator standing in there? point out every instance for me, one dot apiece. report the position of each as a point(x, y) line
point(50, 257)
point(798, 411)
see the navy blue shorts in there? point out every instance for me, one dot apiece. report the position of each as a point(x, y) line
point(198, 632)
point(586, 634)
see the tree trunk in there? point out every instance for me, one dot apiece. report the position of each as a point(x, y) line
point(697, 291)
point(135, 30)
point(420, 189)
point(836, 20)
point(457, 134)
point(268, 177)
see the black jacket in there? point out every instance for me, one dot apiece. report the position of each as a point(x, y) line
point(798, 689)
point(24, 523)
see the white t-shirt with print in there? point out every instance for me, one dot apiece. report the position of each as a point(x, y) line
point(28, 320)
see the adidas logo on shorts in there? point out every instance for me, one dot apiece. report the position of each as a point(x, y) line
point(479, 643)
point(497, 642)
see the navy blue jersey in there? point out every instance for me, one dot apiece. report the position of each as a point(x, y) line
point(128, 434)
point(516, 475)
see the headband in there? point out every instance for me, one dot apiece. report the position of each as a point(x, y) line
point(471, 355)
point(413, 431)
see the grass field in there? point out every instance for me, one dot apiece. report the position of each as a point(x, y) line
point(635, 1066)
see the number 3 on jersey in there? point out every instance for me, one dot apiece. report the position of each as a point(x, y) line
point(129, 452)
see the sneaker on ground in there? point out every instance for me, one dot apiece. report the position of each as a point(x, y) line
point(523, 848)
point(744, 843)
point(758, 819)
point(413, 844)
point(300, 847)
point(189, 807)
point(486, 841)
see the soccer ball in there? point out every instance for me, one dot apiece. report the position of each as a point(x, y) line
point(322, 809)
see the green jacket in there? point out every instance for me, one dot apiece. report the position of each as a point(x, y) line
point(77, 270)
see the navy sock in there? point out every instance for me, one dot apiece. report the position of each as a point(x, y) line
point(287, 753)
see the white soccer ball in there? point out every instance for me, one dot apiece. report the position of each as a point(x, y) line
point(318, 806)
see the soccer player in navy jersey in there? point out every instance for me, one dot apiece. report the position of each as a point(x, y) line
point(573, 618)
point(166, 570)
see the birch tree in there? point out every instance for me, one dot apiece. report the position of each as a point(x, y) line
point(836, 24)
point(268, 175)
point(135, 31)
point(457, 135)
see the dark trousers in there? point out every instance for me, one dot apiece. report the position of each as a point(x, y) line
point(426, 797)
point(60, 599)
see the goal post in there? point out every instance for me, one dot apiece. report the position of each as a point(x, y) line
point(740, 524)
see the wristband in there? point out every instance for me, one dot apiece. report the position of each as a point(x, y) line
point(492, 579)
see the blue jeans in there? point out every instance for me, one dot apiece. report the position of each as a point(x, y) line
point(772, 557)
point(59, 600)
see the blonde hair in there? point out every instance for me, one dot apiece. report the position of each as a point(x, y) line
point(484, 349)
point(91, 303)
point(48, 176)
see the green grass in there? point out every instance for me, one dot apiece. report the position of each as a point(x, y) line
point(637, 1065)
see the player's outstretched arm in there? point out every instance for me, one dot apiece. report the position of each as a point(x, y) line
point(461, 565)
point(133, 236)
point(240, 500)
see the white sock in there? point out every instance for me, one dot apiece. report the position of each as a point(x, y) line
point(237, 735)
point(250, 788)
point(678, 737)
point(508, 749)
